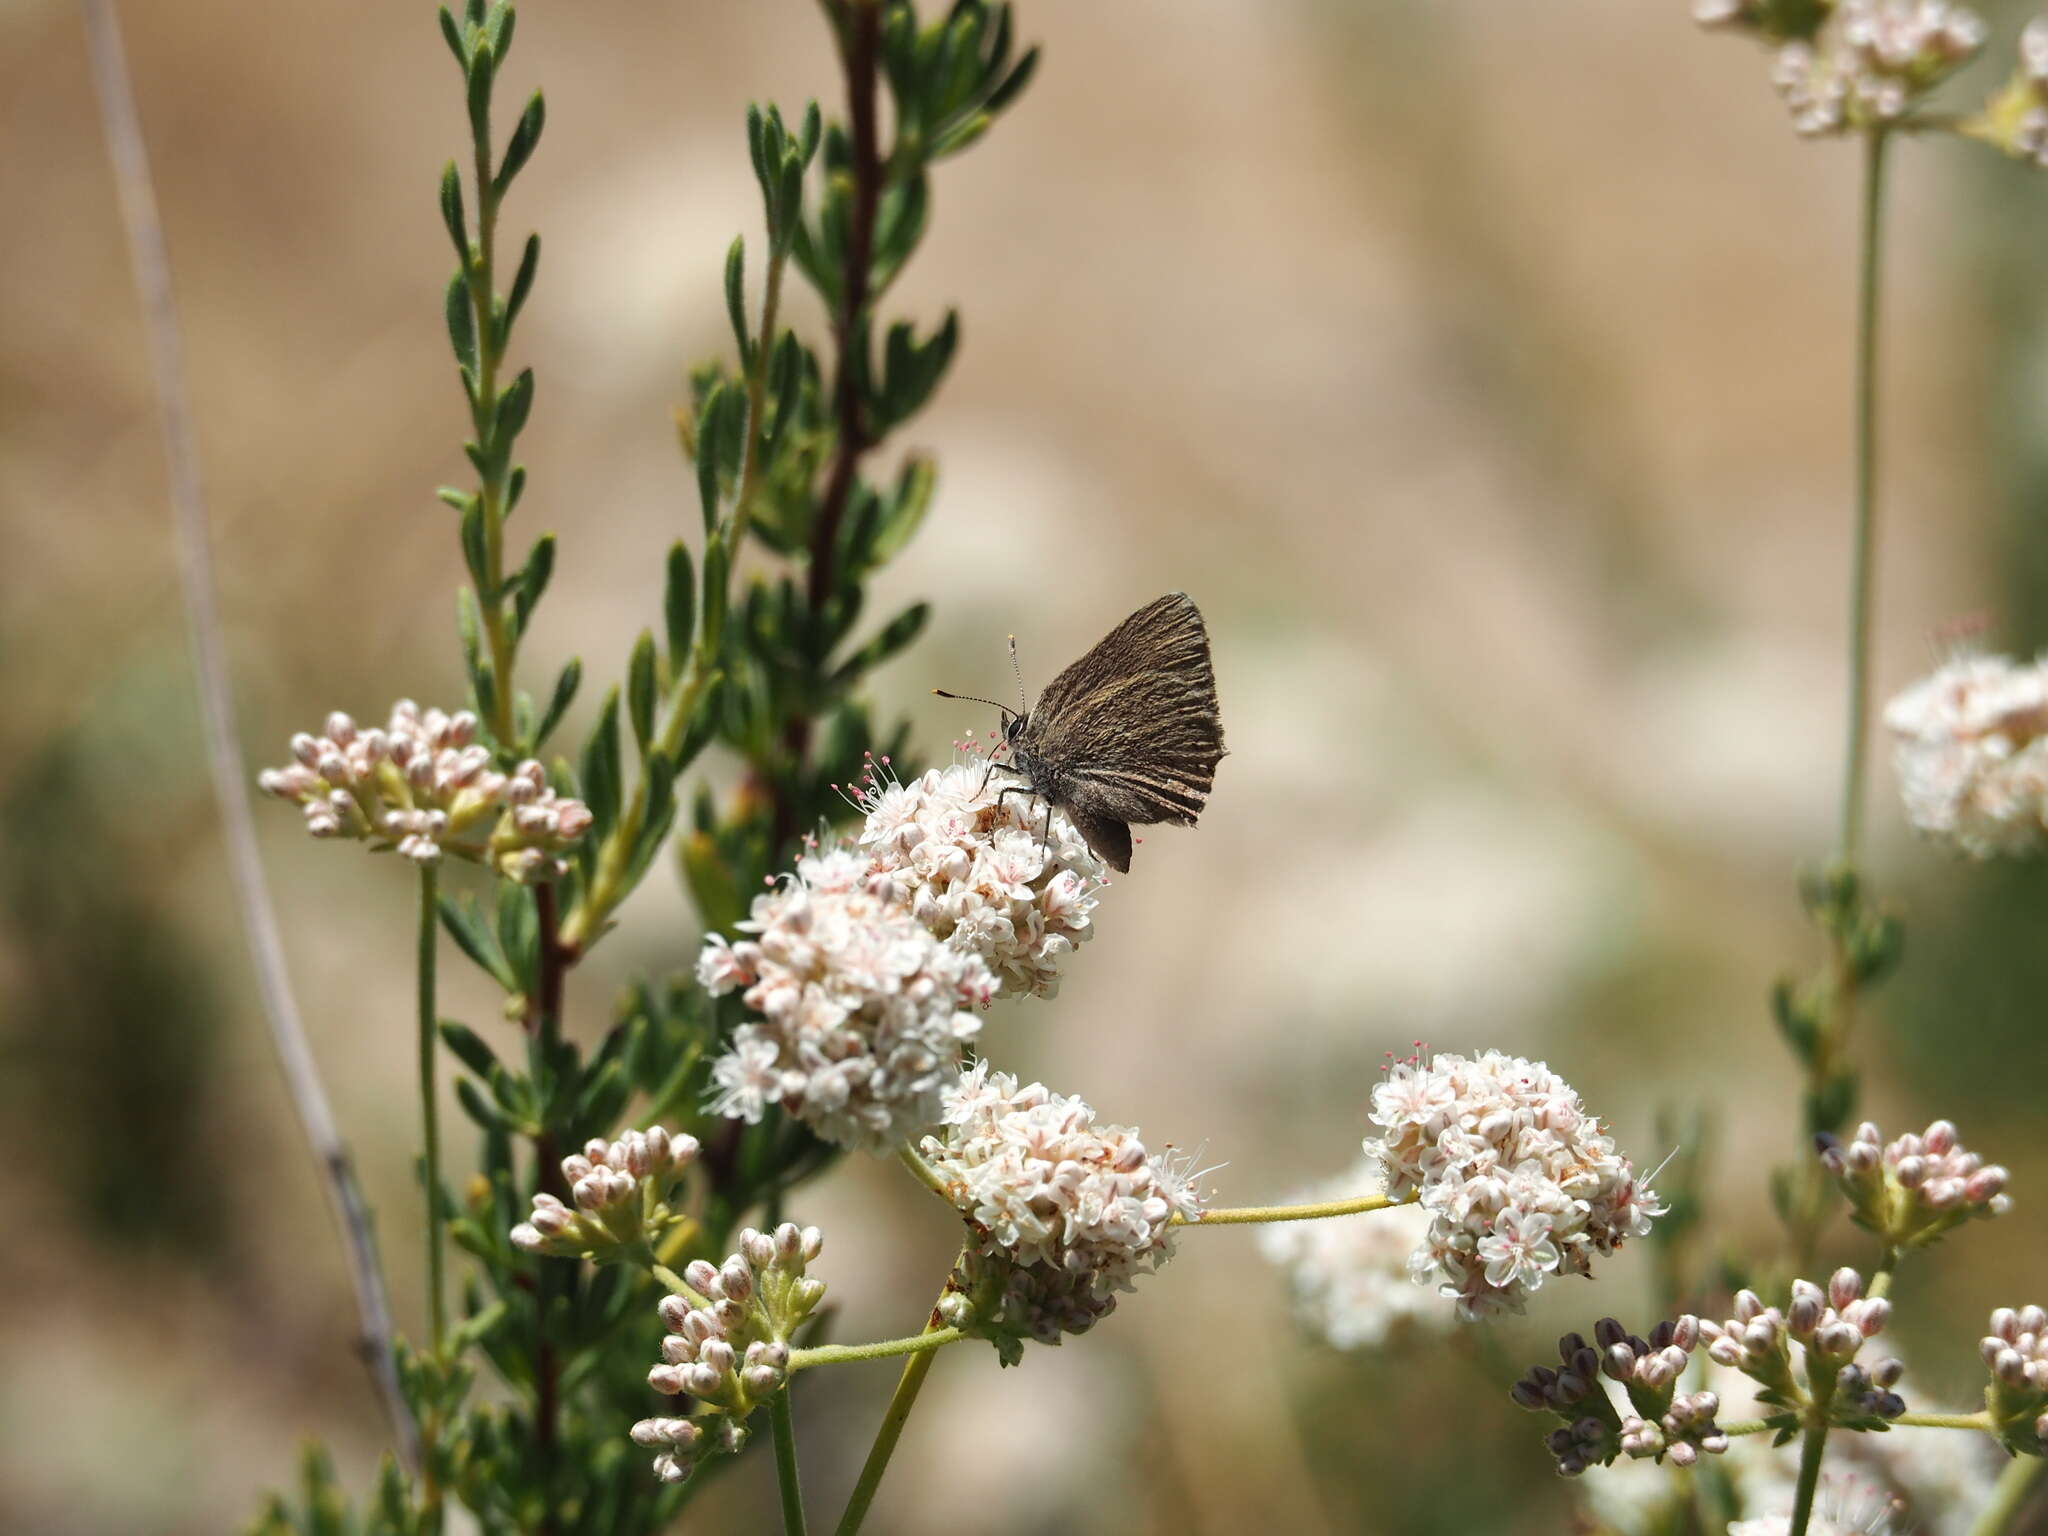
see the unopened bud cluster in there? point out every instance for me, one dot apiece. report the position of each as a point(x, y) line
point(1661, 1422)
point(2016, 1353)
point(728, 1346)
point(618, 1194)
point(1912, 1190)
point(424, 786)
point(1829, 1326)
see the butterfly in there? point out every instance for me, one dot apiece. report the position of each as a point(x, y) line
point(1129, 733)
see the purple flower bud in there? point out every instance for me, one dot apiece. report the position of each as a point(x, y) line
point(2033, 1320)
point(1804, 1316)
point(673, 1310)
point(1844, 1286)
point(1940, 1139)
point(1983, 1184)
point(1886, 1372)
point(702, 1278)
point(1526, 1395)
point(666, 1378)
point(2006, 1324)
point(1682, 1454)
point(2010, 1367)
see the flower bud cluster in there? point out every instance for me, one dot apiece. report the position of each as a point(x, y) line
point(618, 1193)
point(864, 1012)
point(989, 874)
point(1912, 1190)
point(727, 1345)
point(1829, 1327)
point(1520, 1182)
point(1876, 59)
point(423, 785)
point(1063, 1213)
point(1971, 747)
point(1662, 1422)
point(2016, 1353)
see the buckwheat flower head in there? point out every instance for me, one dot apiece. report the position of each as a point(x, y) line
point(423, 785)
point(727, 1343)
point(1063, 1212)
point(987, 873)
point(1349, 1275)
point(618, 1193)
point(1913, 1190)
point(1520, 1182)
point(863, 1012)
point(1814, 1339)
point(2016, 1353)
point(1875, 59)
point(1971, 747)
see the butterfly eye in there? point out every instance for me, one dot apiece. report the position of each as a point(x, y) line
point(1015, 728)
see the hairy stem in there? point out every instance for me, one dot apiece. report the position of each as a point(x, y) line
point(1881, 1277)
point(1248, 1215)
point(483, 409)
point(785, 1463)
point(1979, 1421)
point(151, 267)
point(841, 1354)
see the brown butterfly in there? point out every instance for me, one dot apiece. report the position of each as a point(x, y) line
point(1129, 733)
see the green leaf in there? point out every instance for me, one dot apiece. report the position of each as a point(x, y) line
point(513, 408)
point(451, 211)
point(716, 561)
point(451, 32)
point(474, 554)
point(470, 1049)
point(515, 487)
point(469, 627)
point(1012, 87)
point(478, 1108)
point(565, 690)
point(898, 633)
point(736, 295)
point(906, 509)
point(679, 604)
point(471, 930)
point(533, 580)
point(522, 282)
point(641, 690)
point(483, 70)
point(525, 137)
point(455, 497)
point(600, 771)
point(461, 321)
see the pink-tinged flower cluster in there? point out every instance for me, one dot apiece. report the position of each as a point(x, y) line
point(424, 786)
point(1875, 60)
point(1971, 747)
point(1817, 1336)
point(863, 1012)
point(1520, 1182)
point(726, 1344)
point(1662, 1422)
point(1063, 1213)
point(987, 873)
point(1349, 1275)
point(618, 1196)
point(1913, 1190)
point(2016, 1353)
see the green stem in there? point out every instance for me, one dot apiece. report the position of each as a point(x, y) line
point(1881, 1277)
point(483, 412)
point(915, 1369)
point(1979, 1421)
point(840, 1354)
point(785, 1464)
point(923, 1171)
point(1810, 1451)
point(675, 1282)
point(2008, 1497)
point(1864, 546)
point(1247, 1215)
point(1743, 1427)
point(430, 1117)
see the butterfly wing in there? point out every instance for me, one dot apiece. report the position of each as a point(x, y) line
point(1130, 732)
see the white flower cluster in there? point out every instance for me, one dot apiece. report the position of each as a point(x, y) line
point(1349, 1275)
point(619, 1190)
point(728, 1345)
point(2016, 1353)
point(1877, 58)
point(2030, 92)
point(863, 1012)
point(1912, 1190)
point(1520, 1182)
point(989, 876)
point(423, 785)
point(1971, 747)
point(1064, 1212)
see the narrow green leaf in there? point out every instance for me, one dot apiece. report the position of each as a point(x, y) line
point(641, 690)
point(468, 627)
point(451, 32)
point(515, 487)
point(600, 771)
point(736, 295)
point(565, 691)
point(483, 70)
point(522, 281)
point(812, 130)
point(894, 636)
point(519, 149)
point(451, 211)
point(455, 496)
point(461, 321)
point(478, 1108)
point(717, 559)
point(513, 408)
point(471, 930)
point(470, 1049)
point(906, 508)
point(533, 580)
point(474, 552)
point(679, 603)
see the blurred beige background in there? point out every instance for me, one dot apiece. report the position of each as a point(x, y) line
point(1482, 370)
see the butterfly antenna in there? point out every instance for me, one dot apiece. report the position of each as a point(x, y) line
point(968, 698)
point(1022, 706)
